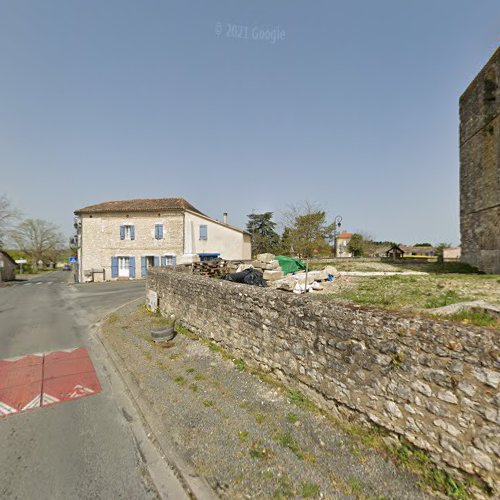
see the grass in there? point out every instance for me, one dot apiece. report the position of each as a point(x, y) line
point(243, 436)
point(240, 364)
point(291, 417)
point(287, 441)
point(298, 399)
point(355, 484)
point(208, 403)
point(475, 318)
point(444, 299)
point(259, 451)
point(419, 292)
point(418, 462)
point(179, 380)
point(260, 418)
point(309, 490)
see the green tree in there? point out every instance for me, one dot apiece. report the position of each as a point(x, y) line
point(285, 246)
point(38, 239)
point(357, 245)
point(264, 237)
point(309, 231)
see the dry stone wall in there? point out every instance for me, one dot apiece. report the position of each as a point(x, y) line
point(435, 383)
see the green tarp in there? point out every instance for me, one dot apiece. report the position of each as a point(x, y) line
point(289, 265)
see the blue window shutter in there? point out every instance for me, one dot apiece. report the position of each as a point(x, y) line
point(163, 260)
point(203, 232)
point(132, 267)
point(157, 236)
point(143, 267)
point(132, 232)
point(160, 231)
point(157, 261)
point(114, 267)
point(122, 232)
point(174, 258)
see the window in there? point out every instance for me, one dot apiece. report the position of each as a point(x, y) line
point(203, 232)
point(168, 260)
point(127, 232)
point(159, 231)
point(147, 262)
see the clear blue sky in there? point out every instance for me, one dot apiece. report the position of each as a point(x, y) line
point(355, 107)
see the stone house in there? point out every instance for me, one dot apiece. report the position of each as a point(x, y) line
point(480, 169)
point(7, 267)
point(342, 244)
point(122, 239)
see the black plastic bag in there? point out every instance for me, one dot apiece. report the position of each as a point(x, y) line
point(248, 276)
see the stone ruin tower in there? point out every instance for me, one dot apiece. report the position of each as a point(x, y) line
point(480, 169)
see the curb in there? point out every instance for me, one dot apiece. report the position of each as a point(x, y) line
point(196, 486)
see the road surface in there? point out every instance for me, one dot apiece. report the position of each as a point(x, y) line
point(93, 447)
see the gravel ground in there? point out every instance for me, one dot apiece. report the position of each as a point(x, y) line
point(244, 435)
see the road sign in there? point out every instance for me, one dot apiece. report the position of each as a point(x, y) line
point(73, 260)
point(21, 261)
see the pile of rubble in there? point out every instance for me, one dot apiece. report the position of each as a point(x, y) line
point(301, 281)
point(298, 282)
point(266, 264)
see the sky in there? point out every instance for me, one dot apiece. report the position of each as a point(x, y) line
point(242, 106)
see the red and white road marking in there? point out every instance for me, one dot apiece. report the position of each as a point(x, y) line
point(44, 379)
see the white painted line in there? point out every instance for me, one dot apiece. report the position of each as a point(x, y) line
point(5, 409)
point(35, 402)
point(79, 391)
point(47, 399)
point(39, 282)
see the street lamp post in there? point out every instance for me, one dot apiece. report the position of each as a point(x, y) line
point(337, 222)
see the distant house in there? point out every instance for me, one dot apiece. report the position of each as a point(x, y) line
point(122, 239)
point(7, 267)
point(452, 253)
point(416, 251)
point(342, 245)
point(395, 253)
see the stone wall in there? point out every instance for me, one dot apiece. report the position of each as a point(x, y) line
point(480, 169)
point(435, 383)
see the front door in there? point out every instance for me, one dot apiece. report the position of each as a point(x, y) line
point(123, 267)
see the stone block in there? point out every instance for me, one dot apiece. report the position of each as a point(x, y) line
point(273, 275)
point(258, 264)
point(265, 257)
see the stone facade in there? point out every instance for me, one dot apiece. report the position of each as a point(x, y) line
point(126, 243)
point(480, 169)
point(435, 383)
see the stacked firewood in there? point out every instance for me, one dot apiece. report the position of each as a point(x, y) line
point(212, 268)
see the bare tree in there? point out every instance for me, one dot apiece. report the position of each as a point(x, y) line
point(38, 239)
point(8, 215)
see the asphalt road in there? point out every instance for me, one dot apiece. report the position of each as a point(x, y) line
point(93, 447)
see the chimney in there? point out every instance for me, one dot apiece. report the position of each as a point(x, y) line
point(225, 217)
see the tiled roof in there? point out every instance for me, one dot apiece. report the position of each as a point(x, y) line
point(141, 205)
point(344, 234)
